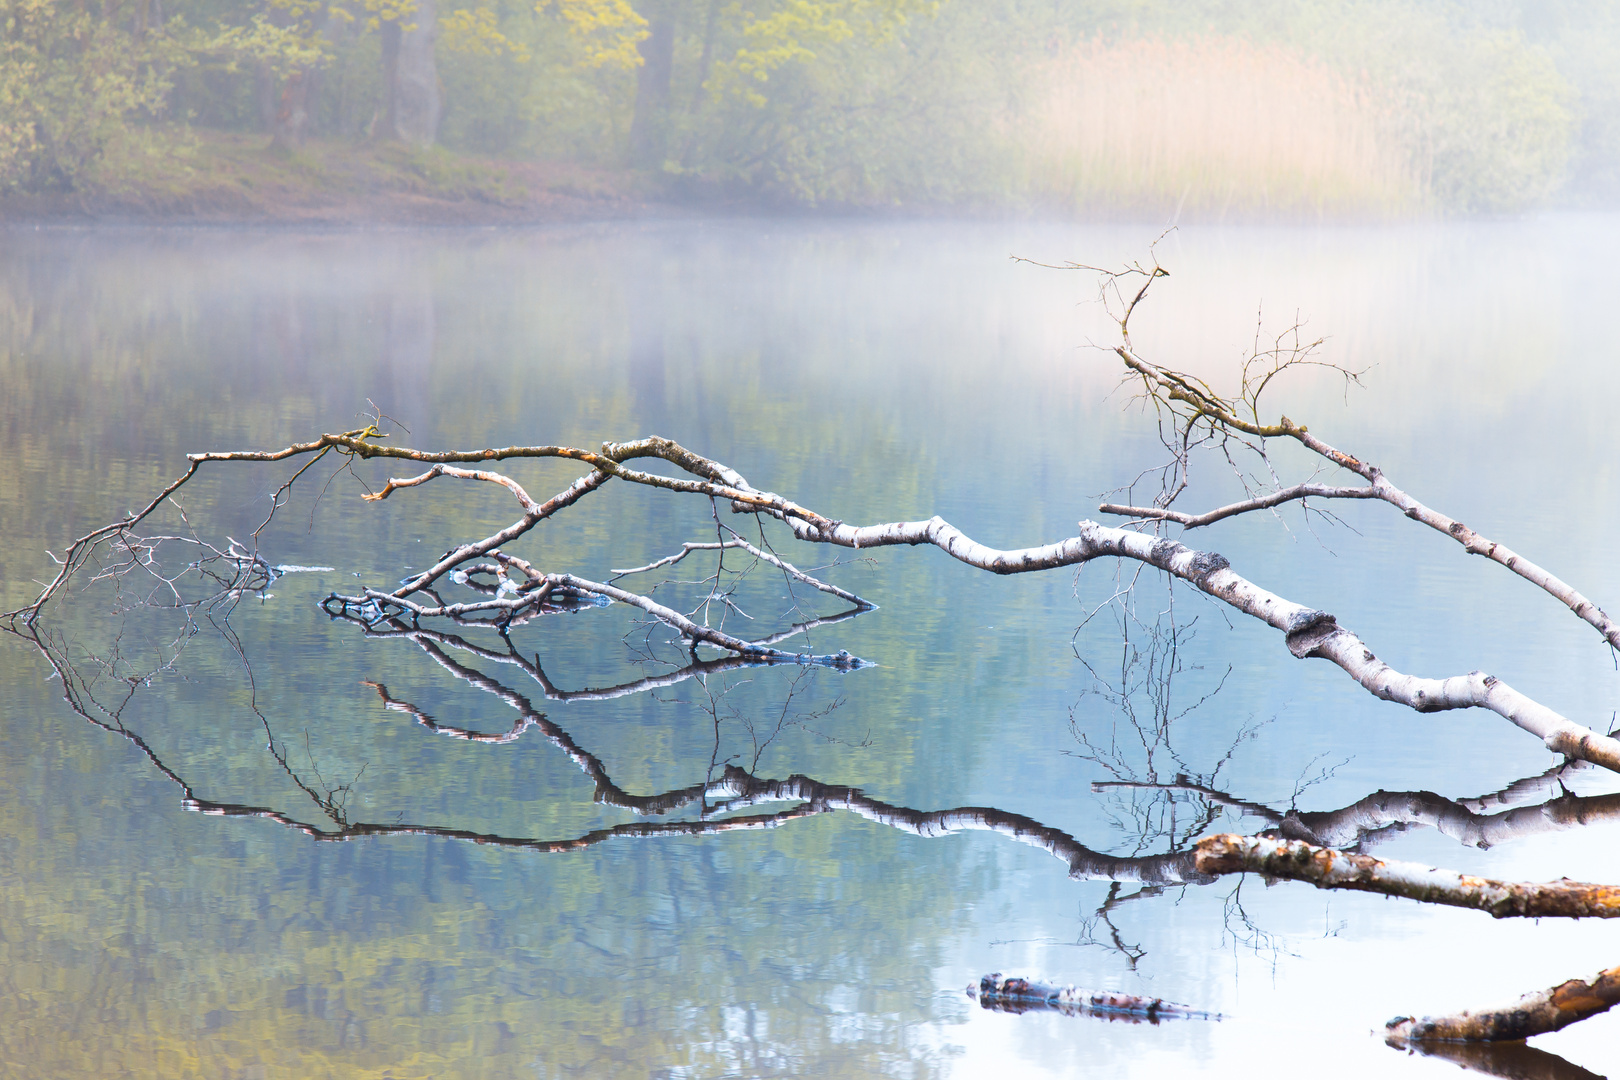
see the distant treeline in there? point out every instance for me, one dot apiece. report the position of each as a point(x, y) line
point(1204, 107)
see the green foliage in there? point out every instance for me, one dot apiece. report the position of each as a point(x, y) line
point(1484, 112)
point(1453, 107)
point(71, 81)
point(1501, 135)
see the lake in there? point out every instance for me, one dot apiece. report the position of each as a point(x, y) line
point(286, 847)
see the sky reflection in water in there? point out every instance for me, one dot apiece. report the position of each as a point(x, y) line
point(872, 372)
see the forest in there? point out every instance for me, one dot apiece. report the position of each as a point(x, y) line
point(1141, 109)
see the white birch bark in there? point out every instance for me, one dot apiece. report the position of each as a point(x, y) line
point(1308, 632)
point(1169, 386)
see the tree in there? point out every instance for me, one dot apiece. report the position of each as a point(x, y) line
point(482, 587)
point(72, 79)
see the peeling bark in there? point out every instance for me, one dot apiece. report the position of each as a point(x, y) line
point(1533, 1014)
point(1326, 868)
point(1366, 820)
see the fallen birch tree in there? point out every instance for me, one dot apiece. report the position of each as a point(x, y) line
point(507, 589)
point(486, 583)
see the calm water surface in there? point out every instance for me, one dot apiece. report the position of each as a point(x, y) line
point(170, 908)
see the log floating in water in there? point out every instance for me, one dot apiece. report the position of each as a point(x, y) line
point(1014, 994)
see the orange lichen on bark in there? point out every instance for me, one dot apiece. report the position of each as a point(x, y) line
point(1533, 1014)
point(1329, 868)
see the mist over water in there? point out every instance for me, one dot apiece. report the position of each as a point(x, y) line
point(873, 371)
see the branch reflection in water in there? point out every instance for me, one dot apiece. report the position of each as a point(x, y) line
point(735, 789)
point(723, 798)
point(1511, 1060)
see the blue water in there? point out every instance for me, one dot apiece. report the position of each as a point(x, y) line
point(871, 371)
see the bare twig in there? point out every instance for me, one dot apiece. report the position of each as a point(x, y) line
point(1192, 402)
point(1263, 502)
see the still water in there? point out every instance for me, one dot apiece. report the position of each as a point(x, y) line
point(175, 903)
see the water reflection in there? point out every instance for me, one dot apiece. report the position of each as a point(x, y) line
point(728, 798)
point(728, 789)
point(811, 948)
point(1512, 1061)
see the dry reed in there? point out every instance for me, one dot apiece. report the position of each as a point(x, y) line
point(1210, 128)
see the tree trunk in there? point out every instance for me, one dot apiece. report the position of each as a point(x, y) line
point(265, 95)
point(411, 106)
point(290, 123)
point(649, 129)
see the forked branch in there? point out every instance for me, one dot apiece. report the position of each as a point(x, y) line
point(1309, 632)
point(1197, 412)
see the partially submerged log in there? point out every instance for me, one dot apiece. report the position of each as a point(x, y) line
point(1540, 1013)
point(1010, 993)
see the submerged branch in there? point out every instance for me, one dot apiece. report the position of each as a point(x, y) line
point(1539, 1013)
point(1013, 994)
point(1309, 632)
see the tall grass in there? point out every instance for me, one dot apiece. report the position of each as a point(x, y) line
point(1209, 128)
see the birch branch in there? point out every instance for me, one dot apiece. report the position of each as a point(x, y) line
point(1202, 404)
point(423, 636)
point(738, 543)
point(1540, 1013)
point(1264, 502)
point(670, 560)
point(528, 504)
point(1314, 633)
point(390, 604)
point(1309, 632)
point(1295, 860)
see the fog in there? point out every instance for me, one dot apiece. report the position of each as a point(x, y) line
point(474, 111)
